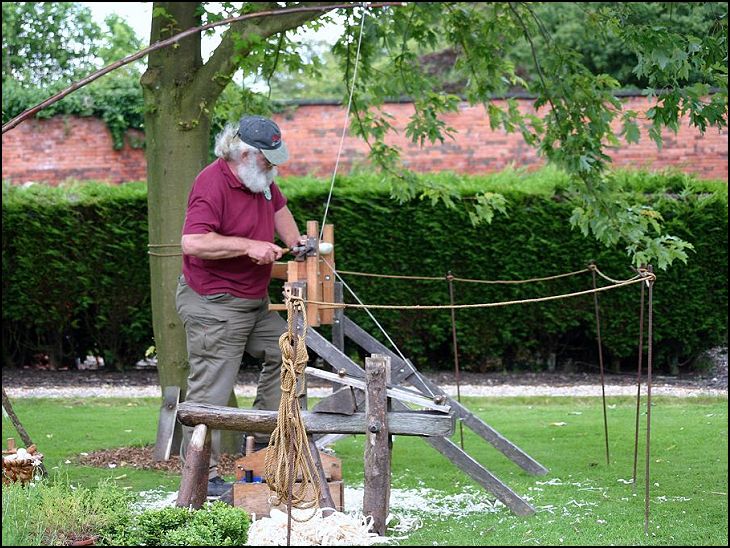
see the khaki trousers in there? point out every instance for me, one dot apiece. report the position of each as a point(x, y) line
point(219, 329)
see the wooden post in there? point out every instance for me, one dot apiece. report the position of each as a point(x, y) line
point(338, 326)
point(166, 423)
point(314, 282)
point(194, 483)
point(318, 277)
point(376, 500)
point(299, 290)
point(327, 315)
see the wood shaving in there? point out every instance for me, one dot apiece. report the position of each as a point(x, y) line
point(338, 529)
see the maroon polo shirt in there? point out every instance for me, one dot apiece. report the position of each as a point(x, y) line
point(218, 202)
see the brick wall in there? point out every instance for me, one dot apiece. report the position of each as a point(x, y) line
point(60, 148)
point(65, 147)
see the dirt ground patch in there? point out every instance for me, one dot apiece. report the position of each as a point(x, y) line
point(143, 458)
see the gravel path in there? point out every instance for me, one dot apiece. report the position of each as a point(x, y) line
point(249, 390)
point(23, 383)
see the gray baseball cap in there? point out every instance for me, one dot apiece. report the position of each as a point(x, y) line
point(265, 135)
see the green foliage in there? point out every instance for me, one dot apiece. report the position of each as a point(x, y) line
point(54, 512)
point(51, 512)
point(579, 54)
point(582, 26)
point(575, 108)
point(116, 99)
point(119, 42)
point(47, 42)
point(319, 78)
point(75, 265)
point(573, 25)
point(50, 45)
point(214, 524)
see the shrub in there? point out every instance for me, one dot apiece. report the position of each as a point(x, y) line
point(214, 524)
point(51, 512)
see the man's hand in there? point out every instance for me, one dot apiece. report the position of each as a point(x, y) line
point(264, 252)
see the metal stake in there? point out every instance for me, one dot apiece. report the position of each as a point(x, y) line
point(457, 372)
point(600, 363)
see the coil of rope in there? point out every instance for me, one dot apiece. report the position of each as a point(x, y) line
point(288, 456)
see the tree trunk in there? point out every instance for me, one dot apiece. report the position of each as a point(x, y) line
point(177, 149)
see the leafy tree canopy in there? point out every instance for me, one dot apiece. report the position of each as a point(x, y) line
point(46, 43)
point(561, 22)
point(594, 31)
point(49, 45)
point(575, 108)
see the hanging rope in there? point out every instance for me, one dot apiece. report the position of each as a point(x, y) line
point(288, 457)
point(344, 126)
point(372, 317)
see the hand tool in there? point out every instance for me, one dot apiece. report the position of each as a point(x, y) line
point(300, 252)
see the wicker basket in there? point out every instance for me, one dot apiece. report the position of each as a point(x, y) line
point(20, 470)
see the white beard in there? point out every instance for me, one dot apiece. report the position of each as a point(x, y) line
point(254, 178)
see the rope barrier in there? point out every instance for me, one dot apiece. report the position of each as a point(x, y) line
point(638, 279)
point(530, 280)
point(458, 279)
point(288, 456)
point(152, 254)
point(392, 276)
point(593, 267)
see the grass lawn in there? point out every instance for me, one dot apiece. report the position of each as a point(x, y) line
point(581, 501)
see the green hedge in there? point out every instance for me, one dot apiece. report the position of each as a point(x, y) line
point(75, 273)
point(76, 270)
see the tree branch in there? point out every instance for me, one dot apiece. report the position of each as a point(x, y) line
point(222, 62)
point(168, 42)
point(534, 57)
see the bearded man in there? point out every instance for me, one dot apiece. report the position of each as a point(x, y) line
point(234, 211)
